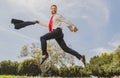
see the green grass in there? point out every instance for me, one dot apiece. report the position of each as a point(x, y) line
point(13, 76)
point(9, 76)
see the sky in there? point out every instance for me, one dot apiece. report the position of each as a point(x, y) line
point(98, 22)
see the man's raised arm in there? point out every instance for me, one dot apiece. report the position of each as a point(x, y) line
point(71, 26)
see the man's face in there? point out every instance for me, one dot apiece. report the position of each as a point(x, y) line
point(53, 10)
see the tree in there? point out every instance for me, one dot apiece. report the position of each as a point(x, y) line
point(106, 65)
point(57, 57)
point(99, 64)
point(115, 65)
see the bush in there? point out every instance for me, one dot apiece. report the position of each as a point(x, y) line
point(8, 67)
point(29, 67)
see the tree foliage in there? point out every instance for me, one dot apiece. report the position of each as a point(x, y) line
point(29, 67)
point(8, 67)
point(61, 64)
point(106, 64)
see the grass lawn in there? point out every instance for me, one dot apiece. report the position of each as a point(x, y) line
point(9, 76)
point(13, 76)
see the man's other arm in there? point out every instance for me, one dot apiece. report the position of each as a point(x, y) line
point(71, 26)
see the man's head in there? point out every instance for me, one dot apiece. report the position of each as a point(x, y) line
point(53, 9)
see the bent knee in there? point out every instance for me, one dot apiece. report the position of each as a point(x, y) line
point(42, 38)
point(65, 48)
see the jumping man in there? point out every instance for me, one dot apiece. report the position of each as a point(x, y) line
point(55, 32)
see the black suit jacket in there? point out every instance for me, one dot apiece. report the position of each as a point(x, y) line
point(21, 24)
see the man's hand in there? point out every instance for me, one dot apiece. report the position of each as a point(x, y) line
point(75, 29)
point(37, 22)
point(40, 23)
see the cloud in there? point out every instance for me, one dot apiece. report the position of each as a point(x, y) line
point(2, 28)
point(5, 30)
point(111, 46)
point(95, 13)
point(101, 50)
point(108, 49)
point(115, 41)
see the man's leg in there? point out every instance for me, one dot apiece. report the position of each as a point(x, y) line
point(63, 45)
point(44, 39)
point(54, 34)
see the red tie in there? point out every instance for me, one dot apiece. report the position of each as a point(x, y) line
point(51, 24)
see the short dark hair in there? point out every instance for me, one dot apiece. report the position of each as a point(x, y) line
point(54, 5)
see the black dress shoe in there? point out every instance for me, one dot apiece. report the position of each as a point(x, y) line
point(44, 58)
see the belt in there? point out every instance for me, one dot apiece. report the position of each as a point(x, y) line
point(57, 28)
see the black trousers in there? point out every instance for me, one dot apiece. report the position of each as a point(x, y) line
point(58, 35)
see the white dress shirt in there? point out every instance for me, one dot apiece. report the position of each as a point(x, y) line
point(57, 21)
